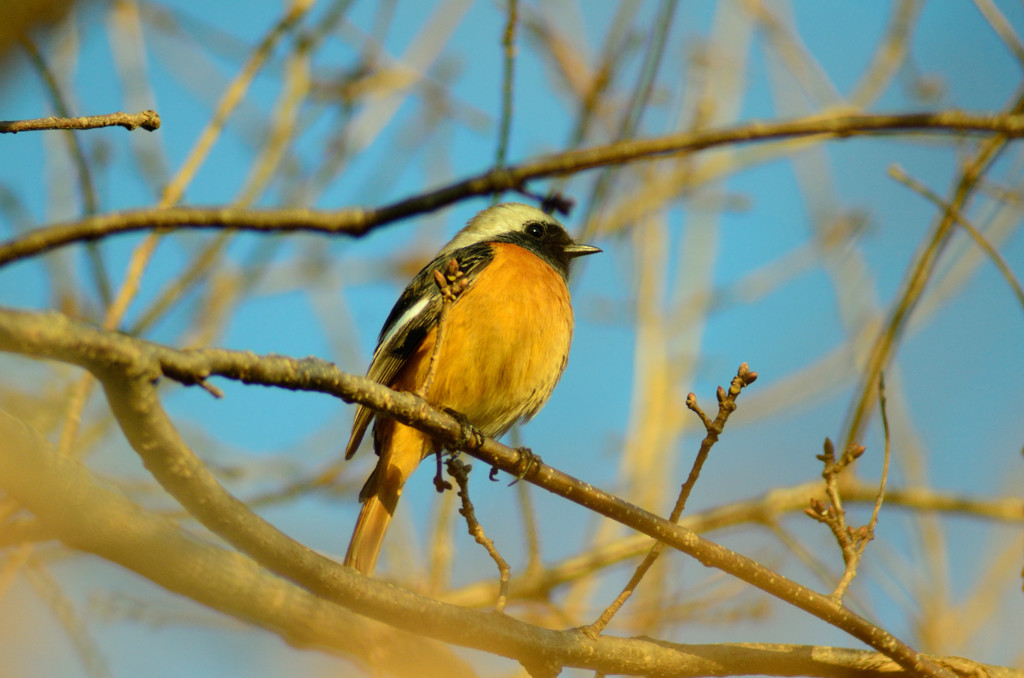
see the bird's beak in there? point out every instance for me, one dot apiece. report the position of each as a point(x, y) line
point(574, 250)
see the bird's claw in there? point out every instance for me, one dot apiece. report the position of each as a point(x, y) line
point(469, 435)
point(526, 464)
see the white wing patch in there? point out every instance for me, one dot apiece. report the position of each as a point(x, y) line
point(402, 322)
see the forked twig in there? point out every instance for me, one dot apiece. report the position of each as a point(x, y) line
point(459, 470)
point(852, 540)
point(129, 369)
point(726, 406)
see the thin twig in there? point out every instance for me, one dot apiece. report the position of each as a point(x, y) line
point(87, 187)
point(507, 86)
point(639, 101)
point(726, 405)
point(920, 272)
point(852, 541)
point(832, 514)
point(129, 369)
point(900, 175)
point(866, 533)
point(459, 470)
point(593, 91)
point(1003, 28)
point(148, 120)
point(359, 221)
point(885, 458)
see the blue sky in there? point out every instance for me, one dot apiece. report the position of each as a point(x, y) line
point(957, 381)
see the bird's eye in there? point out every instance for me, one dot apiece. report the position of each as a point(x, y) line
point(535, 230)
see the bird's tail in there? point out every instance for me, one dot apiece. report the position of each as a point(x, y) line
point(368, 535)
point(401, 451)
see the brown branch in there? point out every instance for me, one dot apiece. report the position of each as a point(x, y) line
point(87, 187)
point(920, 272)
point(900, 175)
point(129, 368)
point(764, 509)
point(358, 221)
point(508, 43)
point(852, 540)
point(1002, 27)
point(726, 406)
point(886, 460)
point(148, 120)
point(460, 471)
point(95, 519)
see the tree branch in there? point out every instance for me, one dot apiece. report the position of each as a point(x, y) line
point(763, 509)
point(148, 120)
point(129, 369)
point(359, 221)
point(920, 272)
point(92, 518)
point(95, 519)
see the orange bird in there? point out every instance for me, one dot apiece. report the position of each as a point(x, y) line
point(505, 344)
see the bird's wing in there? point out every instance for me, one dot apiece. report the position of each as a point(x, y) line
point(413, 316)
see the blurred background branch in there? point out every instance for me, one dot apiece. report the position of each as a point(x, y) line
point(736, 162)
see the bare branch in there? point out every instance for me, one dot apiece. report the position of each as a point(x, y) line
point(918, 275)
point(357, 221)
point(97, 520)
point(460, 471)
point(852, 540)
point(764, 509)
point(900, 175)
point(129, 367)
point(147, 120)
point(508, 43)
point(726, 406)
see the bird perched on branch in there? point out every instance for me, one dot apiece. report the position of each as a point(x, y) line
point(505, 333)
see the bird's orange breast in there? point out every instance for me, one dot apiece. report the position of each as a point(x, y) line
point(506, 343)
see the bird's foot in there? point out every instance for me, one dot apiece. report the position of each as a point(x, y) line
point(527, 463)
point(469, 436)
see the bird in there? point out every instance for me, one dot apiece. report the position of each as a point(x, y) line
point(505, 343)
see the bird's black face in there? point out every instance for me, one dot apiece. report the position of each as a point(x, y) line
point(550, 242)
point(547, 236)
